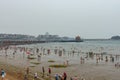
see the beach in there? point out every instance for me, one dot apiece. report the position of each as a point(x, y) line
point(90, 69)
point(11, 72)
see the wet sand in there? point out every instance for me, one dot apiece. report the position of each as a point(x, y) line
point(12, 73)
point(89, 70)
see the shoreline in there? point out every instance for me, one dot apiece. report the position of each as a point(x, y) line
point(90, 70)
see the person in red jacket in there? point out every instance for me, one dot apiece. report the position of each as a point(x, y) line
point(49, 71)
point(65, 76)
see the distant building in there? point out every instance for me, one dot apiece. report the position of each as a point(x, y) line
point(77, 38)
point(16, 37)
point(48, 37)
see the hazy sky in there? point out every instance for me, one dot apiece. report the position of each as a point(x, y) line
point(87, 18)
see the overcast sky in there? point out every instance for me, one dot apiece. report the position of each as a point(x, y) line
point(87, 18)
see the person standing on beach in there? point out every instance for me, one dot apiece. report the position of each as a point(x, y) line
point(3, 74)
point(27, 70)
point(60, 53)
point(56, 77)
point(64, 51)
point(65, 76)
point(44, 51)
point(55, 50)
point(106, 59)
point(43, 70)
point(25, 77)
point(97, 60)
point(49, 71)
point(81, 60)
point(14, 53)
point(37, 50)
point(39, 57)
point(67, 62)
point(48, 51)
point(35, 76)
point(113, 59)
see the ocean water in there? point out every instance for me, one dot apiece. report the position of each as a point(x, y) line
point(96, 46)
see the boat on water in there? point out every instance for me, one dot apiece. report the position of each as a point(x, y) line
point(77, 39)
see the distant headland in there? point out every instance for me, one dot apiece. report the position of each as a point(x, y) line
point(115, 37)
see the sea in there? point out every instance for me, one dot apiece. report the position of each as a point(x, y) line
point(96, 46)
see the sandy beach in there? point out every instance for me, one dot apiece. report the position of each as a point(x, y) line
point(15, 65)
point(59, 39)
point(12, 73)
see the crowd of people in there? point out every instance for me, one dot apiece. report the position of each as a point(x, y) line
point(59, 52)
